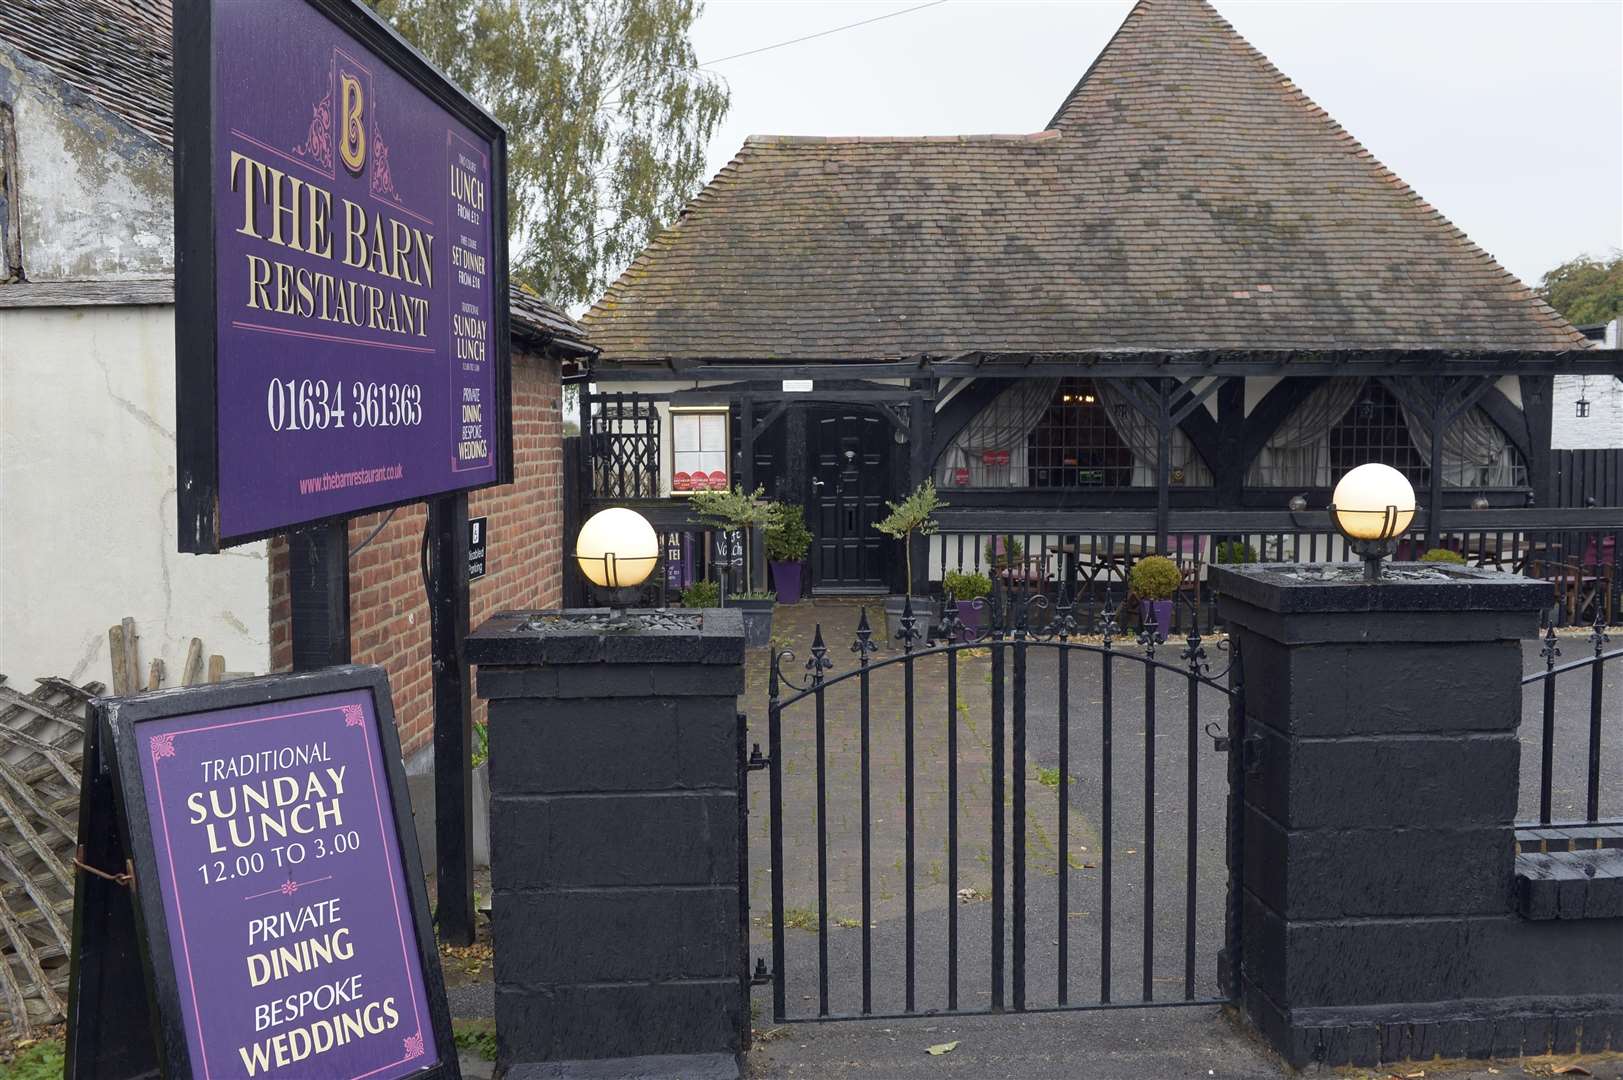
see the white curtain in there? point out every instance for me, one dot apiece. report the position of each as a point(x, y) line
point(1297, 454)
point(1003, 427)
point(1139, 433)
point(1475, 452)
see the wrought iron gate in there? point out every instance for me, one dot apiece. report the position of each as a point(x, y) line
point(1082, 684)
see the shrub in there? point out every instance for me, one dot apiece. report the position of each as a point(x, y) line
point(914, 514)
point(702, 594)
point(755, 594)
point(787, 538)
point(966, 586)
point(1236, 551)
point(1155, 577)
point(1443, 555)
point(1013, 551)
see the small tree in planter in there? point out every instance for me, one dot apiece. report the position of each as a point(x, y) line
point(1155, 580)
point(914, 514)
point(1443, 555)
point(738, 511)
point(965, 589)
point(787, 541)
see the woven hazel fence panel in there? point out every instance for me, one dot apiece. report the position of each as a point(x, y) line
point(41, 750)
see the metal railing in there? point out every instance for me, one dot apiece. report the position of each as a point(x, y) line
point(1593, 668)
point(1582, 562)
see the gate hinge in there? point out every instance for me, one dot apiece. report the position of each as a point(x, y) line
point(760, 976)
point(757, 760)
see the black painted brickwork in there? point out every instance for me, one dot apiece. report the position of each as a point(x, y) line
point(615, 846)
point(1380, 916)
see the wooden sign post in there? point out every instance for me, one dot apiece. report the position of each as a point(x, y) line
point(250, 900)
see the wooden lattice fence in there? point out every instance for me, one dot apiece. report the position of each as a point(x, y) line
point(41, 750)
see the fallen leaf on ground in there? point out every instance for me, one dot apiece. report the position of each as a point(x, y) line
point(941, 1048)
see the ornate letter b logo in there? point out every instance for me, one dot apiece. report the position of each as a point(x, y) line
point(352, 134)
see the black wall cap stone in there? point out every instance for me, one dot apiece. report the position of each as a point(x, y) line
point(1572, 885)
point(1337, 588)
point(707, 636)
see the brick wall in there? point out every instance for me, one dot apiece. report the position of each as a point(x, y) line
point(388, 609)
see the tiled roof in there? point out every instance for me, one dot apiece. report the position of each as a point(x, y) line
point(533, 317)
point(1186, 196)
point(118, 52)
point(115, 51)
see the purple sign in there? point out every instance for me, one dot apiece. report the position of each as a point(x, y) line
point(291, 934)
point(358, 277)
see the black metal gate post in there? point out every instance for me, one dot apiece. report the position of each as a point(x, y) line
point(318, 594)
point(453, 716)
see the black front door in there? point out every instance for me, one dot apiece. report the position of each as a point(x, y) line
point(850, 467)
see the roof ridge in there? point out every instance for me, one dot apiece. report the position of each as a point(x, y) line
point(1046, 135)
point(1349, 142)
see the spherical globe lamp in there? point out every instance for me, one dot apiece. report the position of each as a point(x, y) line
point(1372, 506)
point(617, 548)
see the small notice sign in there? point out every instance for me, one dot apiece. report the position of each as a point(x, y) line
point(274, 888)
point(478, 535)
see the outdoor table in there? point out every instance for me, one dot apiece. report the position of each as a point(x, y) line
point(1090, 558)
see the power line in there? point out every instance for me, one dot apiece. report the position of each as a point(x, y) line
point(823, 33)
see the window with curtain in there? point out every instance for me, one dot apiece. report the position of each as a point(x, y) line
point(1347, 422)
point(1064, 433)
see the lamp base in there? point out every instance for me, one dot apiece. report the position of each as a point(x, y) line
point(1372, 552)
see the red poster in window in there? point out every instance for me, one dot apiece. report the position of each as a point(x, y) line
point(994, 457)
point(960, 477)
point(681, 482)
point(718, 481)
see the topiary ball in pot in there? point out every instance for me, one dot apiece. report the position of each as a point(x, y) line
point(1155, 581)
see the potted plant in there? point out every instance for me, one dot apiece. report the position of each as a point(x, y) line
point(1235, 551)
point(965, 590)
point(914, 514)
point(1003, 551)
point(1155, 580)
point(787, 541)
point(701, 594)
point(744, 512)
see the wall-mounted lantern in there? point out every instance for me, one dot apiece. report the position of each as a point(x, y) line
point(1372, 506)
point(1583, 398)
point(617, 549)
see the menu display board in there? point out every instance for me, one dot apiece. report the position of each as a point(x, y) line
point(278, 895)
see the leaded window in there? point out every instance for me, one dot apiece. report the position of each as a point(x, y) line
point(1347, 422)
point(1065, 434)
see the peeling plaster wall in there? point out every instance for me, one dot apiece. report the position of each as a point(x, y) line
point(96, 194)
point(87, 478)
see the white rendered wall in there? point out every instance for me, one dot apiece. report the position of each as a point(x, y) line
point(87, 482)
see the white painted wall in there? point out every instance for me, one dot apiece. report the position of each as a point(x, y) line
point(87, 481)
point(1602, 429)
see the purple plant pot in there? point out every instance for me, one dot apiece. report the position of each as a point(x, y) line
point(1158, 612)
point(786, 581)
point(969, 615)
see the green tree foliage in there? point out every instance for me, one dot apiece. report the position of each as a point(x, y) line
point(607, 121)
point(1586, 290)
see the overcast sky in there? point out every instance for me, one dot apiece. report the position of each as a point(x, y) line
point(1506, 116)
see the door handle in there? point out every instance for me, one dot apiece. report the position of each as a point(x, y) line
point(816, 483)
